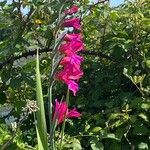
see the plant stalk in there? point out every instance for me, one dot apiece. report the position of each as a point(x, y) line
point(64, 122)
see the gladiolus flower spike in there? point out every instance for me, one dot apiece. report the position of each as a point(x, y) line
point(72, 44)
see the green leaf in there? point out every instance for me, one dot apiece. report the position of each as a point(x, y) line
point(143, 116)
point(3, 25)
point(97, 146)
point(145, 106)
point(140, 129)
point(127, 71)
point(96, 129)
point(148, 63)
point(143, 145)
point(114, 15)
point(41, 122)
point(76, 144)
point(138, 79)
point(112, 136)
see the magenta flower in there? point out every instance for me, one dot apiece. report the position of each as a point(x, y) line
point(67, 75)
point(74, 22)
point(77, 46)
point(71, 47)
point(73, 60)
point(61, 109)
point(72, 10)
point(73, 37)
point(73, 86)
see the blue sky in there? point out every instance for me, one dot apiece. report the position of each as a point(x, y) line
point(112, 2)
point(116, 2)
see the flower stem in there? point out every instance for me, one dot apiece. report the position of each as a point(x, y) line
point(64, 122)
point(50, 112)
point(52, 134)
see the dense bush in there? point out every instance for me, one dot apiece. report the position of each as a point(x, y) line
point(114, 92)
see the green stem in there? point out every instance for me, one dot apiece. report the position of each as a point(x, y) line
point(52, 134)
point(53, 69)
point(64, 123)
point(50, 104)
point(54, 66)
point(50, 110)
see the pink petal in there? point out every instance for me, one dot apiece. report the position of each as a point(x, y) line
point(77, 46)
point(73, 37)
point(76, 76)
point(74, 60)
point(72, 10)
point(71, 47)
point(60, 110)
point(73, 114)
point(73, 86)
point(65, 48)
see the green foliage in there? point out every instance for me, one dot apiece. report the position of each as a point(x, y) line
point(114, 92)
point(71, 143)
point(5, 134)
point(18, 143)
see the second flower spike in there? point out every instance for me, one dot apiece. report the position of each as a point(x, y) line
point(61, 111)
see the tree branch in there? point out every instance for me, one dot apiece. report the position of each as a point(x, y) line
point(91, 7)
point(31, 53)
